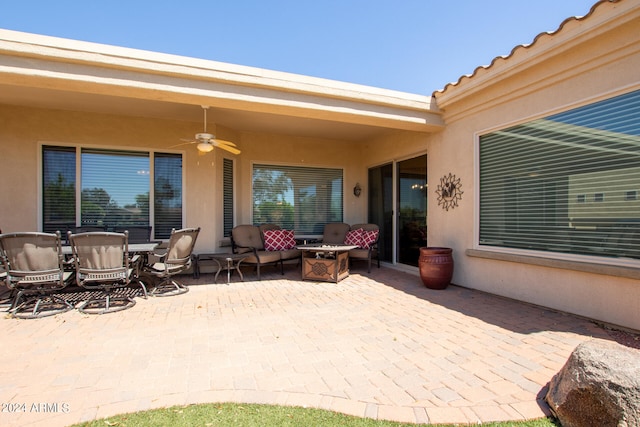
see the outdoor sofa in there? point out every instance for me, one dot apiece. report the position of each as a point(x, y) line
point(266, 244)
point(269, 244)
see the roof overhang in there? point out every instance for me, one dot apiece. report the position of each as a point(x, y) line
point(48, 72)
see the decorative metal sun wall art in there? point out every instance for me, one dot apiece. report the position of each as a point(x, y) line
point(449, 192)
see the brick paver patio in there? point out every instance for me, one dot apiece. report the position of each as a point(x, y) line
point(376, 345)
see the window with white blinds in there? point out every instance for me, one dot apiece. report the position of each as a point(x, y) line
point(565, 183)
point(297, 198)
point(115, 186)
point(227, 196)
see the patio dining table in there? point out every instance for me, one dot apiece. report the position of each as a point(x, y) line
point(134, 248)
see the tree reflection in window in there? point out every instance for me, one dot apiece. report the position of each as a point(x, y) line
point(297, 198)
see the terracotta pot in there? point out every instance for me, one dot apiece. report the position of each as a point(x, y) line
point(436, 267)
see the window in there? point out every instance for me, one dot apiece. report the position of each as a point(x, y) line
point(168, 194)
point(297, 198)
point(534, 178)
point(115, 188)
point(227, 196)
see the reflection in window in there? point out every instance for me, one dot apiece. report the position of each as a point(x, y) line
point(58, 188)
point(168, 193)
point(297, 198)
point(115, 189)
point(534, 178)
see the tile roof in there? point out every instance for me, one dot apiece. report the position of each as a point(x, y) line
point(524, 46)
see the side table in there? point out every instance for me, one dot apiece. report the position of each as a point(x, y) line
point(225, 261)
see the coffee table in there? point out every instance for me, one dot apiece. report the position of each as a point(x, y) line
point(327, 263)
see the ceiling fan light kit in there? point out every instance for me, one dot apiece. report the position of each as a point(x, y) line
point(205, 147)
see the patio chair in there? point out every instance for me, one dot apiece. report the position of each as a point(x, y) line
point(176, 258)
point(103, 266)
point(33, 269)
point(247, 239)
point(368, 246)
point(334, 233)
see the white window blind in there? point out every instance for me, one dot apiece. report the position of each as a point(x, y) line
point(167, 194)
point(227, 196)
point(115, 189)
point(58, 188)
point(297, 198)
point(565, 183)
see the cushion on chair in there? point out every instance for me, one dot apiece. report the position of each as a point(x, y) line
point(264, 257)
point(279, 240)
point(247, 236)
point(290, 254)
point(354, 238)
point(359, 253)
point(334, 233)
point(361, 238)
point(369, 237)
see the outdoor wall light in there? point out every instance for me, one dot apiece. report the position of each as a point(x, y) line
point(357, 190)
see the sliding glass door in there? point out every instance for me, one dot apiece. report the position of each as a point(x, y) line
point(398, 204)
point(412, 208)
point(381, 208)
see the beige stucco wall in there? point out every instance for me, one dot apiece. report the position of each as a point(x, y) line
point(23, 129)
point(602, 61)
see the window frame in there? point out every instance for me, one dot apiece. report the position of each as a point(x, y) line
point(78, 152)
point(568, 260)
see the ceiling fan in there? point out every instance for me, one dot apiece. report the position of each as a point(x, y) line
point(207, 141)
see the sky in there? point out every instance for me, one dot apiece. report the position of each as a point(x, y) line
point(415, 46)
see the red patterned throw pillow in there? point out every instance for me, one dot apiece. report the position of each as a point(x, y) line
point(279, 240)
point(354, 238)
point(369, 238)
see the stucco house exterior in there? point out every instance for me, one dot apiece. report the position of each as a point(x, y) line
point(529, 168)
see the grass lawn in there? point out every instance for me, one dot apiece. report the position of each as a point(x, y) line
point(253, 415)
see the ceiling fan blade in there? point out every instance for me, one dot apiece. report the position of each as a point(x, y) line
point(229, 149)
point(220, 142)
point(184, 143)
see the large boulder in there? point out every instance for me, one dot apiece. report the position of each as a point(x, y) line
point(598, 386)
